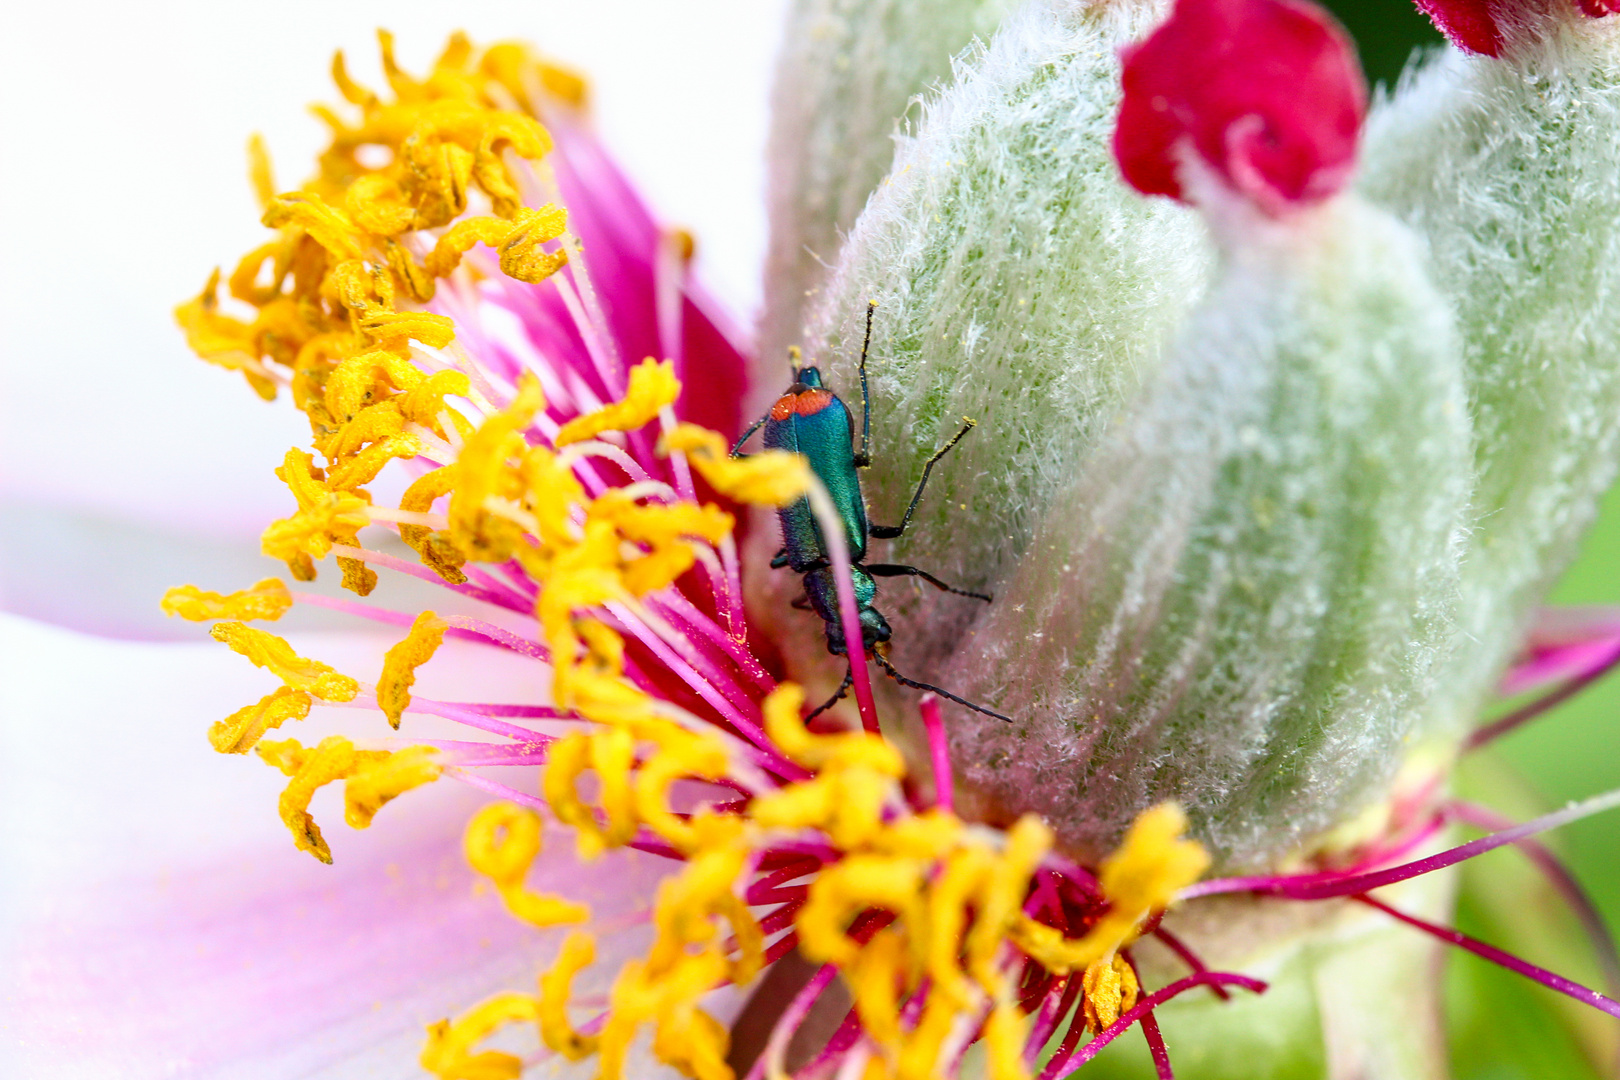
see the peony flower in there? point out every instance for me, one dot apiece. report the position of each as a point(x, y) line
point(1256, 485)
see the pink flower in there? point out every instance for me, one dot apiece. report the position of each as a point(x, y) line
point(1267, 93)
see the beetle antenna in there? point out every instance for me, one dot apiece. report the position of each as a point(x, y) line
point(914, 684)
point(863, 456)
point(795, 360)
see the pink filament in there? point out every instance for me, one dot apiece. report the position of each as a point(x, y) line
point(1325, 886)
point(938, 753)
point(1063, 1064)
point(1549, 979)
point(1562, 881)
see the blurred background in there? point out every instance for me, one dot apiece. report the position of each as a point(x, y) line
point(126, 465)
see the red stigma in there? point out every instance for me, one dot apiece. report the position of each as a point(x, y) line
point(1267, 92)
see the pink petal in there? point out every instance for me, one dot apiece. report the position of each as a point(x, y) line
point(160, 921)
point(1563, 643)
point(1480, 26)
point(1468, 23)
point(1267, 92)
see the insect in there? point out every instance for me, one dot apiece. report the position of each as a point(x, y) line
point(810, 419)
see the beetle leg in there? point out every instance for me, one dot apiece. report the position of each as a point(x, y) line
point(843, 688)
point(901, 570)
point(779, 560)
point(800, 603)
point(889, 532)
point(736, 451)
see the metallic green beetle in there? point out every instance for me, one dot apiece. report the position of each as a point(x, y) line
point(810, 419)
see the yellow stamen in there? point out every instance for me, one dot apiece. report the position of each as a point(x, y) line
point(375, 778)
point(448, 1053)
point(1144, 875)
point(268, 600)
point(770, 478)
point(268, 651)
point(502, 841)
point(653, 387)
point(1110, 988)
point(377, 781)
point(517, 240)
point(402, 660)
point(240, 731)
point(578, 952)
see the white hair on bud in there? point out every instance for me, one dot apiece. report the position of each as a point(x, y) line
point(848, 72)
point(1511, 169)
point(1238, 600)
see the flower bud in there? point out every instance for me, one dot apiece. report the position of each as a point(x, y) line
point(1221, 535)
point(1017, 282)
point(1507, 168)
point(848, 72)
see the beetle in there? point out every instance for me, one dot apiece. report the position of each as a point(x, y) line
point(810, 419)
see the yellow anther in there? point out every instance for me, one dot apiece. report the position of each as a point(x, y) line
point(787, 731)
point(259, 173)
point(920, 1053)
point(448, 1053)
point(377, 781)
point(1004, 1034)
point(222, 340)
point(1144, 875)
point(324, 518)
point(402, 660)
point(653, 387)
point(502, 841)
point(424, 402)
point(310, 769)
point(679, 755)
point(694, 1042)
point(875, 980)
point(658, 569)
point(610, 754)
point(364, 466)
point(434, 331)
point(240, 731)
point(770, 478)
point(356, 383)
point(689, 902)
point(483, 473)
point(517, 240)
point(267, 600)
point(1000, 903)
point(668, 997)
point(268, 651)
point(436, 549)
point(613, 752)
point(1150, 867)
point(844, 890)
point(556, 1031)
point(660, 523)
point(326, 225)
point(949, 897)
point(1110, 988)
